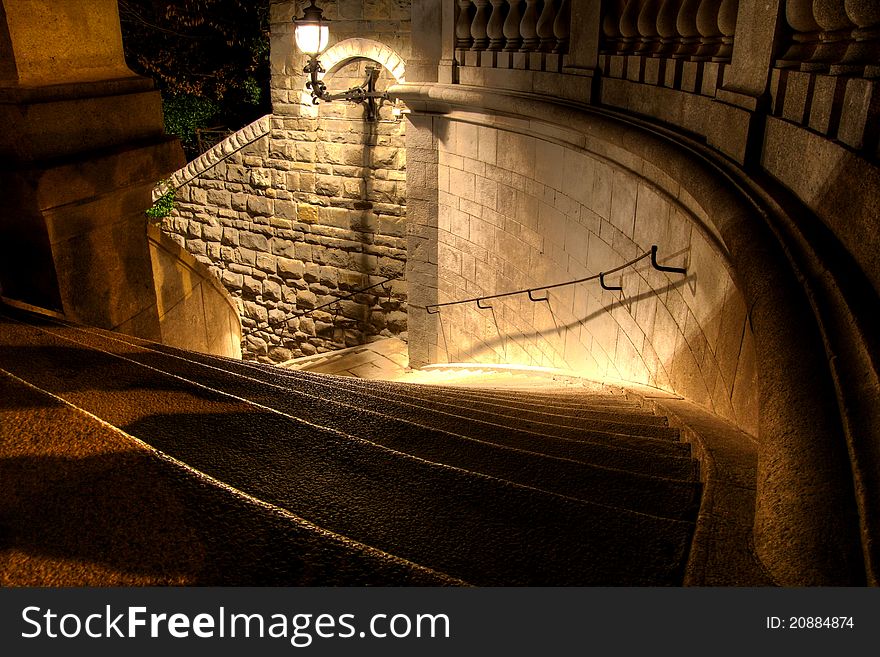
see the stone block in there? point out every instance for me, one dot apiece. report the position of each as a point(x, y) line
point(232, 280)
point(822, 104)
point(266, 262)
point(213, 251)
point(858, 112)
point(691, 76)
point(254, 241)
point(285, 209)
point(271, 291)
point(246, 256)
point(712, 72)
point(307, 214)
point(282, 247)
point(306, 299)
point(230, 237)
point(219, 198)
point(251, 288)
point(260, 206)
point(652, 70)
point(797, 86)
point(289, 268)
point(212, 233)
point(260, 178)
point(634, 68)
point(312, 272)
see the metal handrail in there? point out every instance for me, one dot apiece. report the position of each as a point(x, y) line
point(433, 308)
point(330, 303)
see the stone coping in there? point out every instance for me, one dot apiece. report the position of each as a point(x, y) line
point(216, 154)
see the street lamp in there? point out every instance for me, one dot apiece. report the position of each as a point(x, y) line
point(312, 34)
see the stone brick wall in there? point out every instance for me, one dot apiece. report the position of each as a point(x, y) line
point(310, 205)
point(516, 211)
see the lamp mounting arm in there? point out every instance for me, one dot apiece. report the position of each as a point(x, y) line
point(364, 94)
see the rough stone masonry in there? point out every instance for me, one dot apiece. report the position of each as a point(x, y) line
point(305, 206)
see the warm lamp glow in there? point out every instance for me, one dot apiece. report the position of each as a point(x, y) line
point(312, 32)
point(312, 39)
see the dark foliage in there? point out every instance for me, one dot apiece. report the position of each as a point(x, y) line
point(209, 58)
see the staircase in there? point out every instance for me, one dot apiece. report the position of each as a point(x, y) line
point(131, 462)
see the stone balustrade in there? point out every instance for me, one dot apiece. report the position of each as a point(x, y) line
point(512, 34)
point(679, 44)
point(827, 70)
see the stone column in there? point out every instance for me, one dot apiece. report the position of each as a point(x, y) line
point(422, 210)
point(583, 49)
point(83, 145)
point(427, 41)
point(746, 79)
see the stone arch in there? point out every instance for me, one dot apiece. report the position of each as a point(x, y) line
point(346, 50)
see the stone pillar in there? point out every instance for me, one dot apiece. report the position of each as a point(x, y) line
point(422, 210)
point(427, 41)
point(82, 147)
point(583, 49)
point(746, 80)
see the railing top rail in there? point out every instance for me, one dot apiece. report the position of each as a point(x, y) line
point(531, 290)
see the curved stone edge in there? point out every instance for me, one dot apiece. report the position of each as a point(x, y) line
point(214, 155)
point(162, 241)
point(803, 454)
point(721, 551)
point(340, 53)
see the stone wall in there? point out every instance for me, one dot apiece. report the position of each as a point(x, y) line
point(309, 205)
point(195, 310)
point(517, 211)
point(264, 219)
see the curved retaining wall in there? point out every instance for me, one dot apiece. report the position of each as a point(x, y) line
point(805, 492)
point(195, 310)
point(518, 210)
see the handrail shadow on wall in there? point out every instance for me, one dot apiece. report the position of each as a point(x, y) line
point(434, 308)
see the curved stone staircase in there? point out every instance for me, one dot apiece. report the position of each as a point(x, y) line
point(130, 462)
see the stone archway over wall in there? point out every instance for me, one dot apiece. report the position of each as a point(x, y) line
point(343, 52)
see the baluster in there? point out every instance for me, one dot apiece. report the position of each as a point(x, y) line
point(649, 38)
point(666, 19)
point(495, 29)
point(707, 26)
point(544, 28)
point(804, 35)
point(865, 49)
point(463, 38)
point(836, 28)
point(562, 27)
point(511, 26)
point(611, 36)
point(629, 27)
point(686, 25)
point(727, 24)
point(528, 27)
point(479, 24)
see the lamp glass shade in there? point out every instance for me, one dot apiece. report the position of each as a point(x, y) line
point(311, 38)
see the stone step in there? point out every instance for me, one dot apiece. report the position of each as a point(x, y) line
point(473, 527)
point(94, 507)
point(585, 481)
point(510, 405)
point(545, 424)
point(666, 458)
point(367, 396)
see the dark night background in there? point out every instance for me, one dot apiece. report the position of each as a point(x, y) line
point(209, 58)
